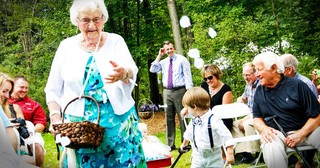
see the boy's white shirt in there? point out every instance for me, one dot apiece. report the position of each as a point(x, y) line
point(220, 133)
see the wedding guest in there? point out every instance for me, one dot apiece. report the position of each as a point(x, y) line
point(176, 79)
point(291, 103)
point(244, 127)
point(33, 112)
point(220, 93)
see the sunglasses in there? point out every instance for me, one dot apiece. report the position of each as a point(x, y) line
point(208, 78)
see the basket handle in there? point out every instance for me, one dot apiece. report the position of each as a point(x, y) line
point(89, 97)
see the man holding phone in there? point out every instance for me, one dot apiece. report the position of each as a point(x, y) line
point(176, 78)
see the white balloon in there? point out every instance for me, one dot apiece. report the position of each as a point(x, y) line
point(194, 53)
point(185, 22)
point(198, 63)
point(212, 33)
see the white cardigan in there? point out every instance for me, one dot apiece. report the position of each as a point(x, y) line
point(66, 76)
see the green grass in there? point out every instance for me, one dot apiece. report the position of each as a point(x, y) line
point(50, 160)
point(184, 161)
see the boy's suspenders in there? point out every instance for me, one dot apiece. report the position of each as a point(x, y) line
point(209, 132)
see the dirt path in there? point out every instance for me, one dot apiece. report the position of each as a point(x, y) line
point(157, 123)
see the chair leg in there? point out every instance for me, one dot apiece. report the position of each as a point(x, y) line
point(316, 159)
point(257, 160)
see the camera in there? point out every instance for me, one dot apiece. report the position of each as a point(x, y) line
point(23, 131)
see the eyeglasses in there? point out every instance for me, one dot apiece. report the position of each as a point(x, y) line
point(247, 75)
point(208, 78)
point(88, 20)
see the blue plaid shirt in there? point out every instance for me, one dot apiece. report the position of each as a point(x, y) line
point(249, 93)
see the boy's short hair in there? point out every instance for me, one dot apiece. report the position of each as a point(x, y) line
point(196, 97)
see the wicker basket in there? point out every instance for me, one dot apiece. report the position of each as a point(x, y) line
point(145, 114)
point(83, 134)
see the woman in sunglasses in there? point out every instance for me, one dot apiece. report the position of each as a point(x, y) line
point(219, 92)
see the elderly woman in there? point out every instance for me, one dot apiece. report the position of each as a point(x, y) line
point(97, 64)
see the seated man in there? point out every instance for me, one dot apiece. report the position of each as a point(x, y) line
point(290, 64)
point(32, 111)
point(244, 126)
point(293, 105)
point(8, 157)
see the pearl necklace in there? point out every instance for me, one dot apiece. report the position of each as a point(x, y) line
point(212, 91)
point(91, 46)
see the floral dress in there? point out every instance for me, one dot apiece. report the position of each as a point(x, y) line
point(121, 144)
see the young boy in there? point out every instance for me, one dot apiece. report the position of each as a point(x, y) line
point(206, 131)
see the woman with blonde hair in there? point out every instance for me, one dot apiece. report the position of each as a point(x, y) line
point(6, 88)
point(12, 111)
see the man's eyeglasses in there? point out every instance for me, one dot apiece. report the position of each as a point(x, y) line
point(247, 75)
point(208, 78)
point(88, 20)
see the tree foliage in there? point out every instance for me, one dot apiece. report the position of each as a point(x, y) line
point(31, 31)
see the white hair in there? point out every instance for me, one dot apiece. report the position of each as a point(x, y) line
point(79, 6)
point(268, 59)
point(290, 60)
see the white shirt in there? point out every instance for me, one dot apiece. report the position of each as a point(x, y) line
point(65, 80)
point(220, 133)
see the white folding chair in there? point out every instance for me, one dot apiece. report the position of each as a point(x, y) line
point(30, 139)
point(18, 140)
point(291, 151)
point(234, 111)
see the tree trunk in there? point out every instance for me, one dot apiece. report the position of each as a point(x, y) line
point(175, 26)
point(153, 78)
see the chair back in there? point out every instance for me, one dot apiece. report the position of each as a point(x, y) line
point(32, 130)
point(30, 127)
point(232, 110)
